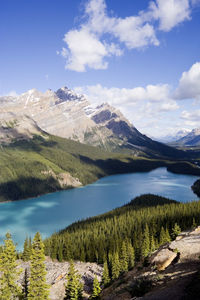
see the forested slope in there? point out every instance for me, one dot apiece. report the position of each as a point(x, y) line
point(145, 223)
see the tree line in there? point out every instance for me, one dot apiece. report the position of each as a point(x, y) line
point(34, 285)
point(119, 238)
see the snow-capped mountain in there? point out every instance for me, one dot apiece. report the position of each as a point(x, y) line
point(191, 139)
point(174, 137)
point(66, 114)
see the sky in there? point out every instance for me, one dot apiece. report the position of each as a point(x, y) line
point(143, 57)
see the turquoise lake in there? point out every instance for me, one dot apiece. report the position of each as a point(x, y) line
point(52, 212)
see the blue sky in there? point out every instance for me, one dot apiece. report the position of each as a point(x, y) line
point(140, 56)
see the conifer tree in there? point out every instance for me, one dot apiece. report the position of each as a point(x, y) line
point(25, 284)
point(146, 242)
point(176, 230)
point(8, 266)
point(167, 236)
point(194, 224)
point(162, 239)
point(74, 287)
point(105, 276)
point(131, 255)
point(27, 250)
point(96, 289)
point(152, 244)
point(115, 266)
point(38, 288)
point(124, 258)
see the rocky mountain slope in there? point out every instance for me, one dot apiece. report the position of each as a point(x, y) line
point(66, 114)
point(171, 274)
point(191, 139)
point(57, 272)
point(170, 138)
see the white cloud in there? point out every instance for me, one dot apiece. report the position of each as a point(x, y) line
point(170, 13)
point(84, 50)
point(134, 33)
point(189, 84)
point(191, 116)
point(117, 96)
point(139, 105)
point(90, 44)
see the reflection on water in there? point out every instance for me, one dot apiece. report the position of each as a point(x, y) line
point(52, 212)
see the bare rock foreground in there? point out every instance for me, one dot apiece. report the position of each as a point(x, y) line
point(171, 270)
point(56, 276)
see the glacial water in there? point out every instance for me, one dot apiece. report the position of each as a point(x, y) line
point(52, 212)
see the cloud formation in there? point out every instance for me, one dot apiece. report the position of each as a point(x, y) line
point(189, 84)
point(102, 36)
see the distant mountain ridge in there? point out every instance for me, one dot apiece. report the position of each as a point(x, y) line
point(191, 139)
point(174, 137)
point(67, 114)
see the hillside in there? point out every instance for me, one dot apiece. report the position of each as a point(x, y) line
point(141, 231)
point(69, 115)
point(92, 239)
point(31, 167)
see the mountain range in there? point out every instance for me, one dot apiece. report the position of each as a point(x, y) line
point(69, 115)
point(191, 139)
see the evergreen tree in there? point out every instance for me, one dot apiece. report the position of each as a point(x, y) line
point(105, 276)
point(131, 256)
point(25, 284)
point(38, 288)
point(60, 253)
point(152, 244)
point(8, 266)
point(146, 242)
point(115, 266)
point(194, 224)
point(162, 238)
point(74, 287)
point(27, 250)
point(96, 289)
point(167, 236)
point(124, 258)
point(176, 230)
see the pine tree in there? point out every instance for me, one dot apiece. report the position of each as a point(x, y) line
point(60, 252)
point(167, 236)
point(38, 289)
point(115, 266)
point(131, 256)
point(8, 266)
point(27, 251)
point(152, 244)
point(146, 242)
point(176, 230)
point(25, 284)
point(105, 276)
point(194, 224)
point(124, 258)
point(96, 289)
point(162, 239)
point(74, 287)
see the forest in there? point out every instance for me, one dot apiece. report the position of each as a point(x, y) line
point(132, 231)
point(27, 165)
point(196, 187)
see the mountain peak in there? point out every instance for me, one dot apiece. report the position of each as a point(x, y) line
point(66, 94)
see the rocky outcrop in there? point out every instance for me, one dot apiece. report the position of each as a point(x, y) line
point(67, 114)
point(172, 268)
point(163, 259)
point(64, 179)
point(56, 276)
